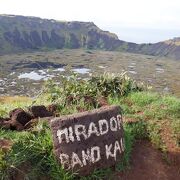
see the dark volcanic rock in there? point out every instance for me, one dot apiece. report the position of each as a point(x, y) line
point(11, 125)
point(31, 123)
point(15, 125)
point(34, 122)
point(20, 116)
point(40, 111)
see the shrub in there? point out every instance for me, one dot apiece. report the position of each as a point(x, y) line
point(104, 85)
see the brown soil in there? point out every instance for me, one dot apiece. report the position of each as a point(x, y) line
point(147, 164)
point(173, 151)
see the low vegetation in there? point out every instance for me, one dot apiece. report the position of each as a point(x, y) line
point(46, 64)
point(145, 115)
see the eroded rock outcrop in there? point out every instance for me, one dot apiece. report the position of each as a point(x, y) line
point(30, 33)
point(39, 112)
point(19, 119)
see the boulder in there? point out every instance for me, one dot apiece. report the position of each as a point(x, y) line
point(34, 122)
point(39, 111)
point(20, 116)
point(31, 124)
point(15, 125)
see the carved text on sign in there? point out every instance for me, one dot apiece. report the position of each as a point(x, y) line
point(80, 132)
point(86, 141)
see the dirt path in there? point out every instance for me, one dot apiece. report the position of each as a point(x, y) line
point(147, 164)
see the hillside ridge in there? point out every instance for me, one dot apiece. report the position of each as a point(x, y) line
point(26, 33)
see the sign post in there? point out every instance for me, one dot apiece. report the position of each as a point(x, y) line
point(90, 140)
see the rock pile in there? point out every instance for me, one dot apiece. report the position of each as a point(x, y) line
point(20, 119)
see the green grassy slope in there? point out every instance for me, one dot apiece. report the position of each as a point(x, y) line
point(144, 113)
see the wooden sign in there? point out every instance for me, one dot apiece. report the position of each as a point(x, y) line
point(90, 140)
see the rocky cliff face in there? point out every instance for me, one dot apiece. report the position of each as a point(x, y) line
point(169, 48)
point(18, 33)
point(21, 34)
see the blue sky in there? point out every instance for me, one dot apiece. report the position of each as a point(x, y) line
point(138, 21)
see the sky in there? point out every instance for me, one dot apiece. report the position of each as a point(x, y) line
point(140, 21)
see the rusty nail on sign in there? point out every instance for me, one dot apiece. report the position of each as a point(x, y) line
point(90, 140)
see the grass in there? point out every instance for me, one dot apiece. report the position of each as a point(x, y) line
point(154, 110)
point(34, 150)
